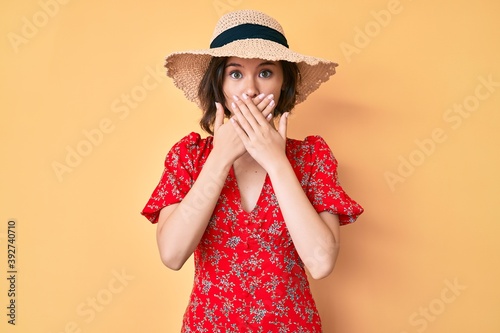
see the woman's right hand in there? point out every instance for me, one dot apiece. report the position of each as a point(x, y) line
point(227, 144)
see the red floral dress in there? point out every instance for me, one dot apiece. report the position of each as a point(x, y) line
point(248, 276)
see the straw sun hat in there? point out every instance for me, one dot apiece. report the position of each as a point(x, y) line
point(246, 34)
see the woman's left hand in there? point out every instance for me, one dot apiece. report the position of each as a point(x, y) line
point(261, 140)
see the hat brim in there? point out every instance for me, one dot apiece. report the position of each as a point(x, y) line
point(187, 68)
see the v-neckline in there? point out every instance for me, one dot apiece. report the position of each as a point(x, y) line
point(238, 192)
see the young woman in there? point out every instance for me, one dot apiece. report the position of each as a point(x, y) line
point(255, 207)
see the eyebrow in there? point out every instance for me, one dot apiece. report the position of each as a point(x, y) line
point(265, 63)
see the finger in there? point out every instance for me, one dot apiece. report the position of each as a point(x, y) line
point(246, 113)
point(257, 111)
point(239, 131)
point(258, 99)
point(219, 116)
point(268, 110)
point(240, 118)
point(283, 124)
point(264, 102)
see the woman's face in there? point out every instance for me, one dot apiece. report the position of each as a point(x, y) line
point(252, 77)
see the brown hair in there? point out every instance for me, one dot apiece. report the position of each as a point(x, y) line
point(210, 90)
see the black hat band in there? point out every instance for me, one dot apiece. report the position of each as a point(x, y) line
point(246, 31)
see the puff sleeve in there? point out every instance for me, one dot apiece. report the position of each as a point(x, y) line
point(323, 187)
point(178, 176)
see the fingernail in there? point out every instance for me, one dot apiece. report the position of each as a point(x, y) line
point(271, 103)
point(236, 98)
point(245, 96)
point(271, 96)
point(261, 96)
point(233, 105)
point(269, 116)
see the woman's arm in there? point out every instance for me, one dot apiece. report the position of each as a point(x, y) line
point(181, 226)
point(315, 236)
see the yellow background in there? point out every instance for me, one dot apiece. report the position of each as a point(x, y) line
point(422, 258)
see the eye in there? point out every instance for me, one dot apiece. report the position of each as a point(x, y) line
point(265, 73)
point(235, 75)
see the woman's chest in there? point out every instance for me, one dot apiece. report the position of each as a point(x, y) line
point(230, 224)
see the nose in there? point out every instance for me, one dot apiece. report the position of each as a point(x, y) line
point(251, 88)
